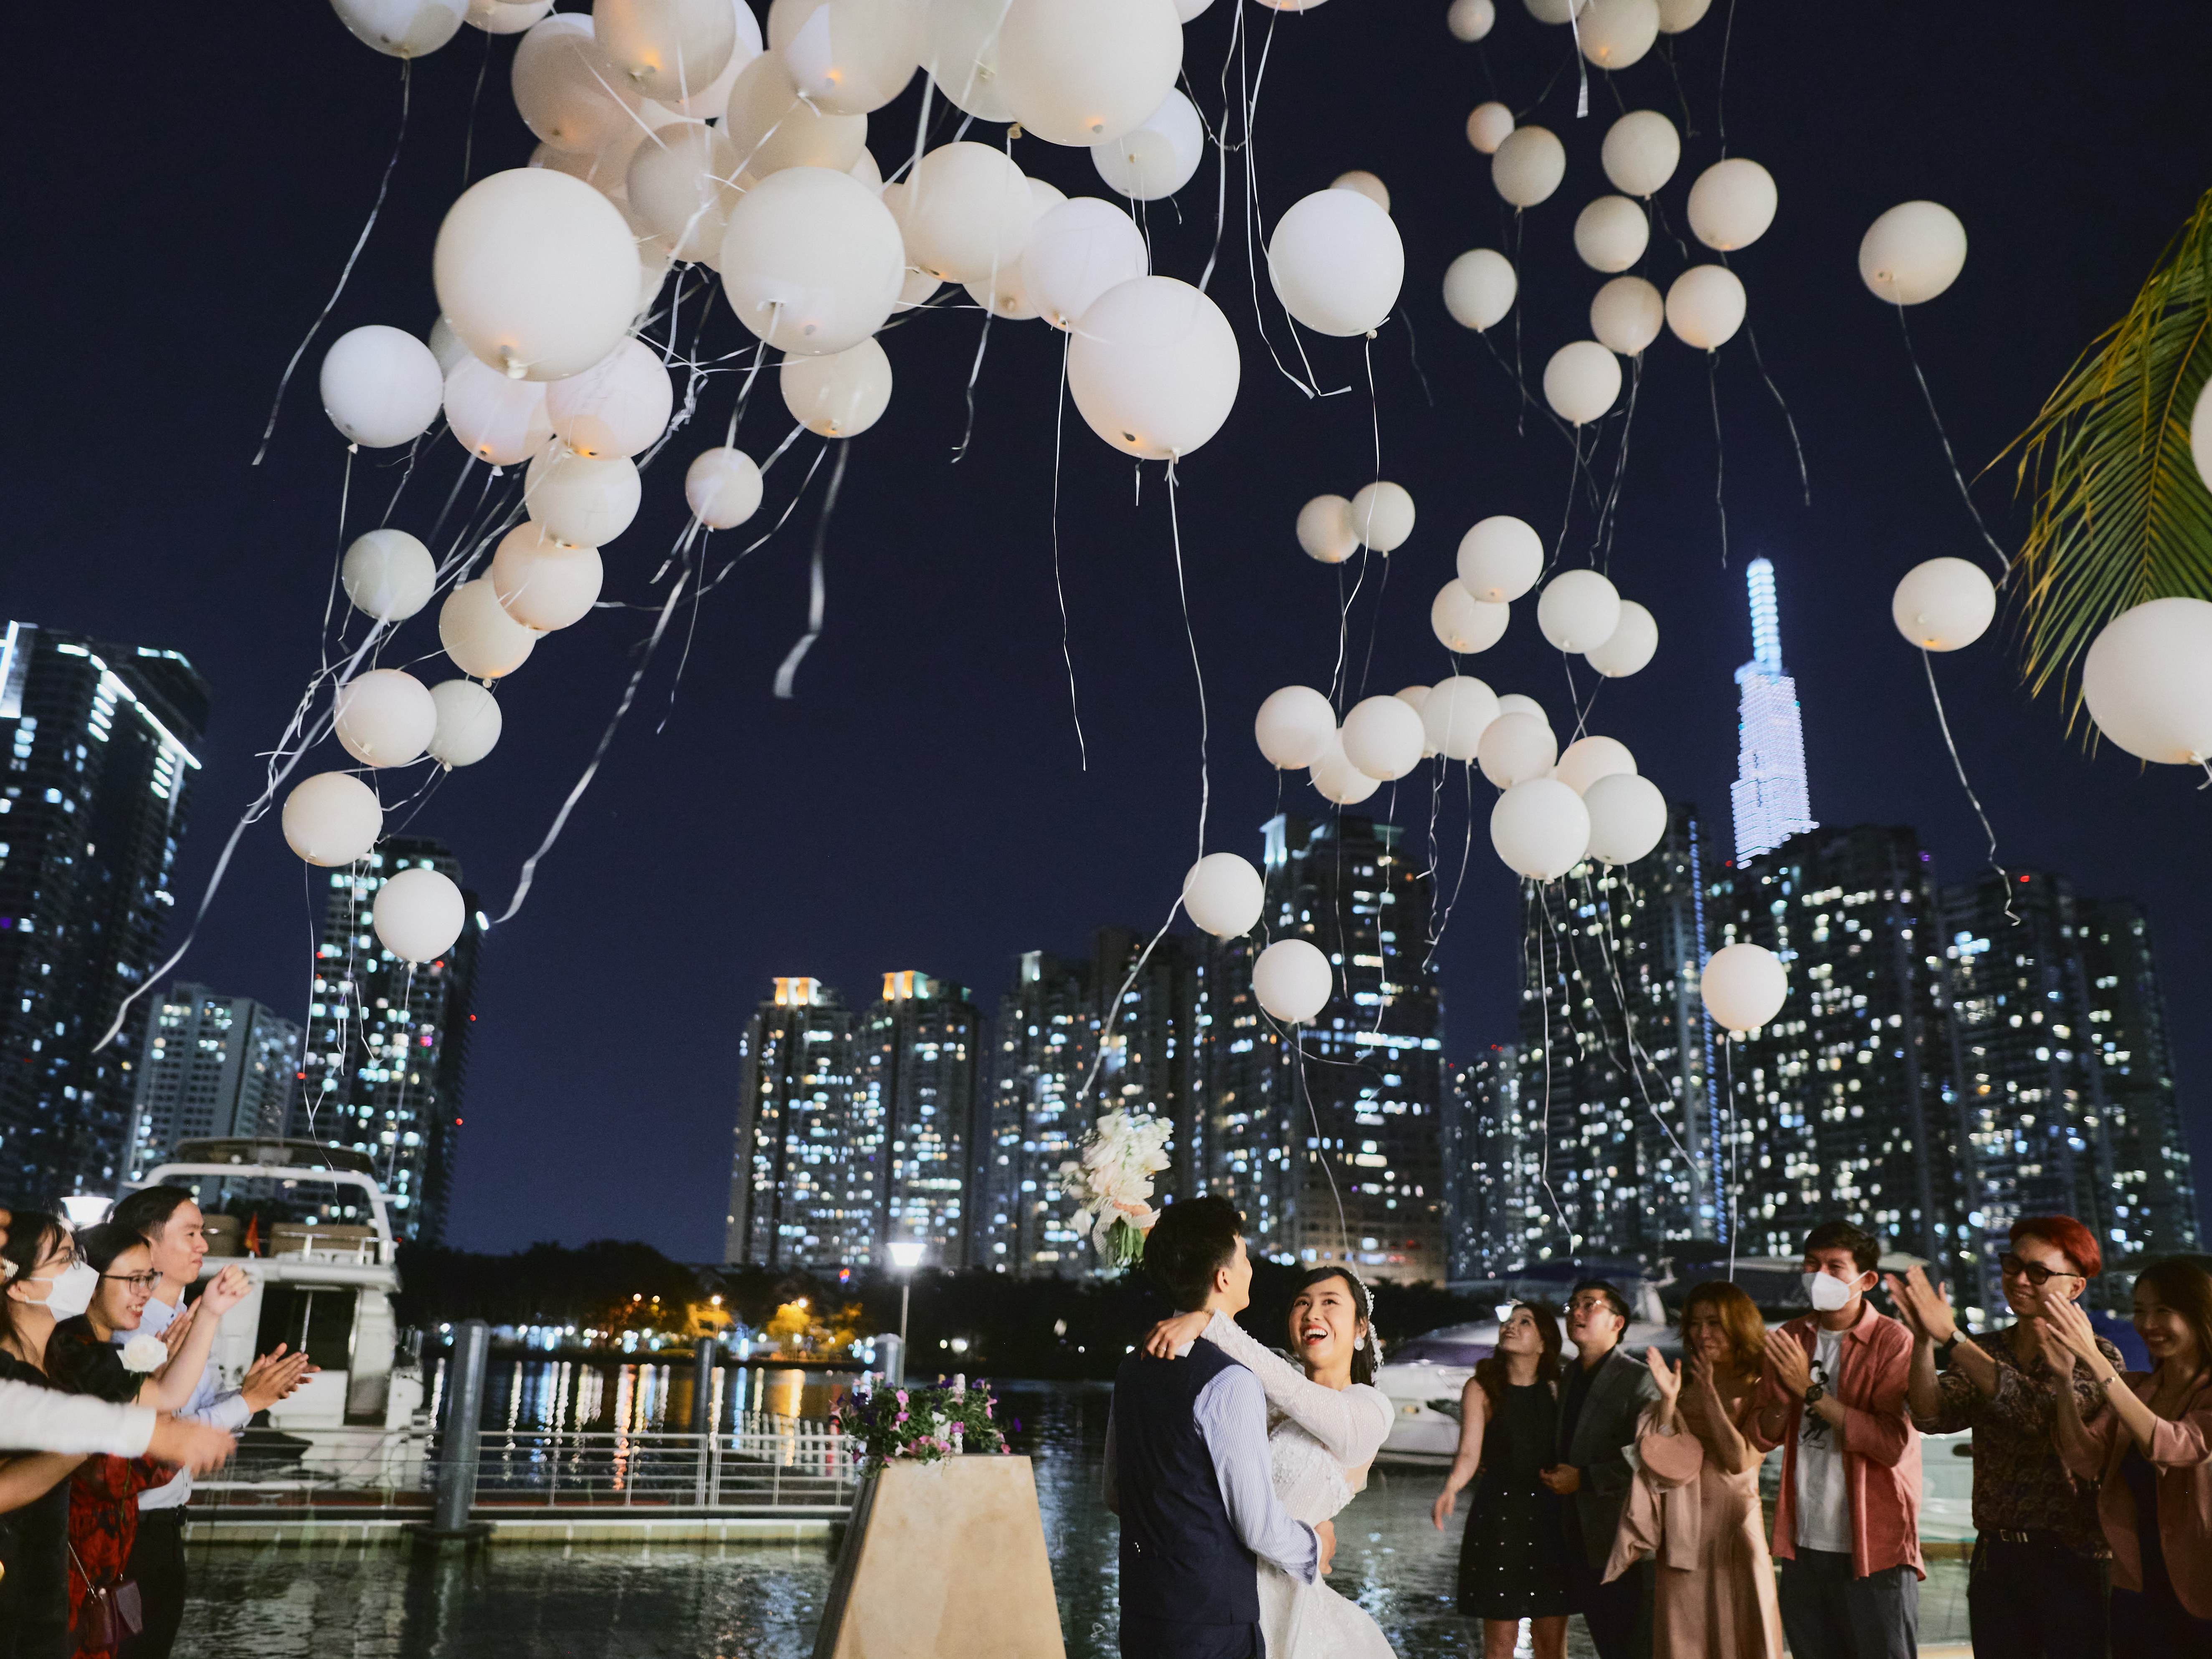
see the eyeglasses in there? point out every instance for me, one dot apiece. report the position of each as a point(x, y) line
point(2033, 1271)
point(1590, 1304)
point(145, 1281)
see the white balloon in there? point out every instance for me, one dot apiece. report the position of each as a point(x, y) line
point(494, 418)
point(1296, 726)
point(1589, 759)
point(1640, 152)
point(1293, 981)
point(773, 128)
point(380, 386)
point(484, 642)
point(1744, 986)
point(545, 584)
point(1153, 368)
point(383, 717)
point(447, 347)
point(1630, 645)
point(1338, 780)
point(1382, 737)
point(1516, 702)
point(1500, 558)
point(565, 89)
point(1578, 609)
point(1157, 157)
point(1367, 183)
point(1615, 34)
point(2200, 434)
point(1083, 72)
point(1540, 829)
point(469, 723)
point(584, 502)
point(1383, 515)
point(1705, 306)
point(1516, 747)
point(1478, 288)
point(1626, 315)
point(667, 50)
point(1326, 530)
point(1944, 604)
point(1188, 9)
point(388, 575)
point(1555, 11)
point(1912, 253)
point(1471, 19)
point(1455, 715)
point(848, 57)
point(1582, 381)
point(418, 914)
point(681, 185)
point(1465, 624)
point(708, 103)
point(1528, 166)
point(1075, 253)
point(1222, 894)
point(1611, 233)
point(1415, 696)
point(617, 407)
point(812, 262)
point(1336, 262)
point(839, 396)
point(537, 271)
point(1731, 204)
point(1627, 815)
point(332, 818)
point(1675, 15)
point(1489, 125)
point(722, 487)
point(2147, 680)
point(867, 172)
point(403, 28)
point(960, 50)
point(967, 213)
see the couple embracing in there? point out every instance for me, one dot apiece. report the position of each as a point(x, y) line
point(1226, 1462)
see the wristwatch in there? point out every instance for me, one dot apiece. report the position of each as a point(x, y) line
point(1814, 1395)
point(1943, 1348)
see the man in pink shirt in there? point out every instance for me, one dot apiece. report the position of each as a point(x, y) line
point(1847, 1523)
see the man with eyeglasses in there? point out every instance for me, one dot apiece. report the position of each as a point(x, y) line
point(1601, 1397)
point(2036, 1587)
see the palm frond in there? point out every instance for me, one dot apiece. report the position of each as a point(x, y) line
point(2120, 514)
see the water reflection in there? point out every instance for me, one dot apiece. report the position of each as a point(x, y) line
point(525, 1395)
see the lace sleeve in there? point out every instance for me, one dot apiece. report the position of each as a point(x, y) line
point(1351, 1423)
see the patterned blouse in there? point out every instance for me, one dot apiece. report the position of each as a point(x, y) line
point(103, 1494)
point(2020, 1485)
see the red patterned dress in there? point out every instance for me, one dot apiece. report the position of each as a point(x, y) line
point(103, 1494)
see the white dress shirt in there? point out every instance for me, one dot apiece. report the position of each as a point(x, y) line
point(226, 1408)
point(36, 1420)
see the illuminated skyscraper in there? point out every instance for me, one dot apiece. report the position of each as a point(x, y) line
point(1044, 1037)
point(212, 1065)
point(920, 1049)
point(1493, 1210)
point(1769, 797)
point(806, 1174)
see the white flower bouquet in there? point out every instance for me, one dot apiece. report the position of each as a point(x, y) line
point(1111, 1182)
point(144, 1354)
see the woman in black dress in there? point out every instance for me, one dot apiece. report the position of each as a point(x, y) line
point(35, 1531)
point(1513, 1555)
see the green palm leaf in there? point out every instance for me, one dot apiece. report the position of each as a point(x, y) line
point(2120, 514)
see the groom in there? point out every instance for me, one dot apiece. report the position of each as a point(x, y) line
point(1186, 1464)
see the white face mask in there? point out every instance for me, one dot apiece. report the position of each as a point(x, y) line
point(69, 1293)
point(1828, 1293)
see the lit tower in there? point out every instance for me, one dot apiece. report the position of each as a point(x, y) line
point(1769, 796)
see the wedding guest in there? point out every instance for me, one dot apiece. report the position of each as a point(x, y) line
point(1694, 1507)
point(1847, 1519)
point(1513, 1552)
point(2152, 1454)
point(47, 1281)
point(2035, 1587)
point(1604, 1394)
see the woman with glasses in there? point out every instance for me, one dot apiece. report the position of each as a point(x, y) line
point(2036, 1587)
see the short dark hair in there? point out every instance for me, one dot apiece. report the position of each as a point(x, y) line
point(1614, 1298)
point(100, 1246)
point(1865, 1247)
point(149, 1209)
point(1191, 1242)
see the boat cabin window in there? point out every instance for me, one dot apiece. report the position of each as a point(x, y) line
point(318, 1319)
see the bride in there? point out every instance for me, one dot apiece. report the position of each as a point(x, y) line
point(1326, 1420)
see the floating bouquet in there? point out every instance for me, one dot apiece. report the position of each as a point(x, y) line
point(1112, 1181)
point(921, 1425)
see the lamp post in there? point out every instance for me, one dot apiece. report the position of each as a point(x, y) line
point(906, 1256)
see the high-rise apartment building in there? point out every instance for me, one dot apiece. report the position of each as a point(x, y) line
point(1044, 1038)
point(920, 1051)
point(1150, 1059)
point(102, 742)
point(211, 1066)
point(387, 1042)
point(806, 1174)
point(1493, 1208)
point(1770, 798)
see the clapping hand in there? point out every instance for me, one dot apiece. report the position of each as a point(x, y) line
point(1922, 1306)
point(1787, 1365)
point(173, 1334)
point(2065, 1322)
point(2056, 1354)
point(275, 1377)
point(229, 1290)
point(1169, 1335)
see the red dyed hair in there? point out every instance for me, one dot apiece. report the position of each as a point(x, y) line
point(2066, 1235)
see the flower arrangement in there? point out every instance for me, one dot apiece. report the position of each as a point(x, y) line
point(144, 1354)
point(1112, 1180)
point(921, 1425)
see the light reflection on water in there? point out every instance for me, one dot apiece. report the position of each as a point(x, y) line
point(526, 1394)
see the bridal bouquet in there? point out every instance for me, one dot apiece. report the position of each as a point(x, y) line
point(921, 1425)
point(1112, 1181)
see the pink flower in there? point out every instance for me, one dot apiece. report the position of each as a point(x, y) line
point(901, 1418)
point(902, 1396)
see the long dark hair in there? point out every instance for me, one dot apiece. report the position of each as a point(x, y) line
point(32, 1236)
point(1739, 1317)
point(2186, 1288)
point(1490, 1370)
point(1362, 1356)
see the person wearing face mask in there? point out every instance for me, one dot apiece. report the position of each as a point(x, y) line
point(2036, 1586)
point(1604, 1397)
point(1847, 1522)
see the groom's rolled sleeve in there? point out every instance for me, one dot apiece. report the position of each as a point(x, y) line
point(1232, 1417)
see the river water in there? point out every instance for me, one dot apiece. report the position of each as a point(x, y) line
point(761, 1601)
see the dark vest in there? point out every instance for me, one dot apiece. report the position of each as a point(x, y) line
point(1180, 1559)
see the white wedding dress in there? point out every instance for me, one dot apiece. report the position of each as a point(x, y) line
point(1320, 1442)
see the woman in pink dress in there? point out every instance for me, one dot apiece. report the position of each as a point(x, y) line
point(1694, 1505)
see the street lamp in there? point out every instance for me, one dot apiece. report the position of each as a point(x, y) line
point(906, 1256)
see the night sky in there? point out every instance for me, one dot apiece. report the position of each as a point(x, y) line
point(921, 803)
